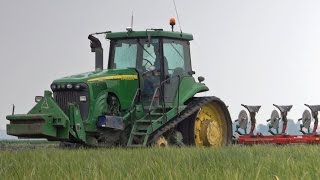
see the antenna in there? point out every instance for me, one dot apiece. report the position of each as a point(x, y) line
point(130, 28)
point(132, 20)
point(175, 7)
point(13, 107)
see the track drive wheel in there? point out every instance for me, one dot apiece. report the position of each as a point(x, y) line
point(210, 126)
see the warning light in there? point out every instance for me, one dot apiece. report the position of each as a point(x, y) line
point(172, 23)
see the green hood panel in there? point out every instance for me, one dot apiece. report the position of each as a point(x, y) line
point(95, 76)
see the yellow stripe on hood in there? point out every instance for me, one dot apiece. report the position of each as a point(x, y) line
point(114, 77)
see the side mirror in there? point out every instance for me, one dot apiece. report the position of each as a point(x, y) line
point(200, 79)
point(38, 99)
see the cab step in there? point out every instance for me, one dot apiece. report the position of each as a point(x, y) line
point(139, 133)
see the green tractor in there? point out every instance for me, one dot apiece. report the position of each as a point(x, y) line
point(145, 97)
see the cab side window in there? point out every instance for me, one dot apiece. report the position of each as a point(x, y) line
point(177, 54)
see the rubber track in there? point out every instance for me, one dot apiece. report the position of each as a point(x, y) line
point(193, 107)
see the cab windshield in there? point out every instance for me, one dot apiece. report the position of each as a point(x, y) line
point(133, 53)
point(142, 54)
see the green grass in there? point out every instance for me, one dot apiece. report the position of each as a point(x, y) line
point(233, 162)
point(28, 142)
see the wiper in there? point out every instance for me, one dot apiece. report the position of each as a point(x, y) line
point(176, 51)
point(144, 49)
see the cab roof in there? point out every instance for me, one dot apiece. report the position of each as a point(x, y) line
point(152, 33)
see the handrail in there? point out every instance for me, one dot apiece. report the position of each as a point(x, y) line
point(132, 102)
point(179, 78)
point(135, 97)
point(149, 109)
point(154, 95)
point(163, 102)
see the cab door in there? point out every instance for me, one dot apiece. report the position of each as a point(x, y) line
point(150, 69)
point(178, 65)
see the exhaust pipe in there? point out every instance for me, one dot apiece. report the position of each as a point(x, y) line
point(97, 48)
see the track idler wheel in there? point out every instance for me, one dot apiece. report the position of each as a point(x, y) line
point(161, 142)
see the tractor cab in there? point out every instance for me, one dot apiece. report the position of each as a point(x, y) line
point(161, 59)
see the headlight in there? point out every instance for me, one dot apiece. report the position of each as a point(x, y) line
point(38, 99)
point(83, 98)
point(69, 86)
point(77, 86)
point(53, 87)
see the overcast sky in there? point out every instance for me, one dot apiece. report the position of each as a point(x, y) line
point(249, 51)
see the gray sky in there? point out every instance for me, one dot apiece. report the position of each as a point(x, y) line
point(249, 51)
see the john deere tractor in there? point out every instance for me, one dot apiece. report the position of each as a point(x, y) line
point(145, 97)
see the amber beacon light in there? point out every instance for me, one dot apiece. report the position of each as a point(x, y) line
point(172, 23)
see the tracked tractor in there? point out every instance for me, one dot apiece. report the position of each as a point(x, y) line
point(145, 96)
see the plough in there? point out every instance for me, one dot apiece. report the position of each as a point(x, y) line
point(276, 136)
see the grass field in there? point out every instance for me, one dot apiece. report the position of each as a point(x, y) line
point(233, 162)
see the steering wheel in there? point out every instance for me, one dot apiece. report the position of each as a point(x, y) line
point(147, 62)
point(149, 69)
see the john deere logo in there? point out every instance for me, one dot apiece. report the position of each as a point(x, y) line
point(45, 105)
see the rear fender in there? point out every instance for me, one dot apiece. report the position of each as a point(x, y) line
point(188, 88)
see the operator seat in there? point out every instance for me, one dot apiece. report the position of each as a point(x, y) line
point(152, 82)
point(252, 109)
point(283, 109)
point(166, 67)
point(314, 108)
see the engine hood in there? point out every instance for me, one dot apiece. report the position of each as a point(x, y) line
point(94, 76)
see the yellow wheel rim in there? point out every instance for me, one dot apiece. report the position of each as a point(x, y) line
point(210, 128)
point(161, 142)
